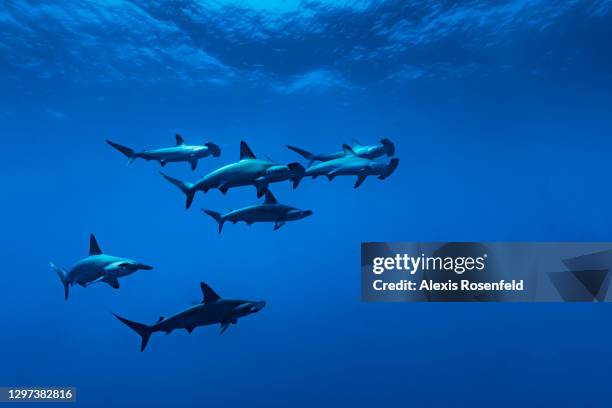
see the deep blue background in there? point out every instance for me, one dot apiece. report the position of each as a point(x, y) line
point(505, 138)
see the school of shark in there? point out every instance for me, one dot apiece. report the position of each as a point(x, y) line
point(357, 160)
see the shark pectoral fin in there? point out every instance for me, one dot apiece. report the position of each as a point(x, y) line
point(162, 162)
point(113, 282)
point(261, 187)
point(360, 180)
point(278, 224)
point(224, 327)
point(110, 280)
point(194, 163)
point(332, 174)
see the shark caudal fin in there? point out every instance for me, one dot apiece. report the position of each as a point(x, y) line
point(305, 154)
point(62, 275)
point(390, 169)
point(127, 152)
point(214, 149)
point(218, 217)
point(184, 186)
point(389, 146)
point(142, 329)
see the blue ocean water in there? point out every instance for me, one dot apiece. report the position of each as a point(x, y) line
point(500, 112)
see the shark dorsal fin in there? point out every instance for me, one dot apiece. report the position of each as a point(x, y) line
point(94, 248)
point(245, 151)
point(179, 140)
point(348, 151)
point(209, 295)
point(270, 199)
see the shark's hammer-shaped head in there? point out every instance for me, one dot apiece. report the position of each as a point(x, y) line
point(388, 147)
point(295, 215)
point(245, 308)
point(280, 172)
point(248, 308)
point(125, 267)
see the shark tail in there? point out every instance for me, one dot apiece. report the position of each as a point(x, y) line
point(305, 154)
point(389, 146)
point(218, 217)
point(127, 152)
point(390, 169)
point(214, 149)
point(62, 275)
point(142, 329)
point(184, 186)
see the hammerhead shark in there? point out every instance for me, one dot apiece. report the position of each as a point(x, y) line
point(269, 211)
point(352, 165)
point(181, 152)
point(212, 310)
point(385, 146)
point(248, 171)
point(97, 267)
